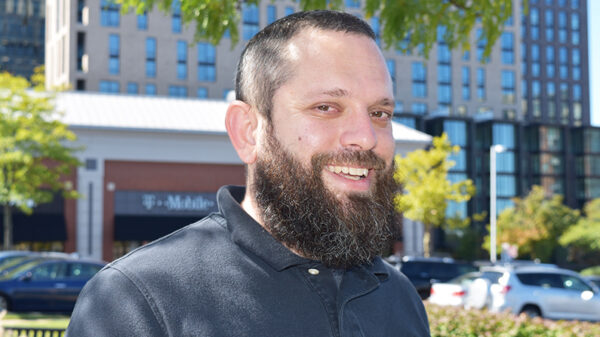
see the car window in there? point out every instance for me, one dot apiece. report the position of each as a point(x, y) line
point(574, 283)
point(83, 270)
point(492, 276)
point(544, 280)
point(49, 271)
point(438, 270)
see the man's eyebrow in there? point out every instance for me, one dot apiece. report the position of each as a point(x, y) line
point(385, 102)
point(336, 92)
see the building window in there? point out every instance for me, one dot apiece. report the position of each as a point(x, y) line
point(352, 3)
point(177, 91)
point(419, 79)
point(250, 16)
point(132, 88)
point(202, 92)
point(80, 6)
point(419, 108)
point(574, 21)
point(113, 54)
point(80, 85)
point(391, 65)
point(508, 87)
point(271, 14)
point(508, 49)
point(142, 21)
point(151, 89)
point(481, 84)
point(176, 19)
point(206, 62)
point(80, 50)
point(549, 21)
point(150, 57)
point(466, 83)
point(182, 48)
point(289, 10)
point(481, 44)
point(457, 132)
point(109, 13)
point(111, 87)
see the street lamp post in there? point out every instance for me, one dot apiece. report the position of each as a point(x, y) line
point(493, 150)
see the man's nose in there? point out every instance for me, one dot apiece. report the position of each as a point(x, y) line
point(358, 132)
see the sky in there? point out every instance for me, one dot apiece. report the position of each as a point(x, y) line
point(594, 58)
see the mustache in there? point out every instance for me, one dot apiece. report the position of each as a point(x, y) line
point(366, 158)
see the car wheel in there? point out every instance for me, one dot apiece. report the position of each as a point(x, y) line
point(531, 311)
point(3, 303)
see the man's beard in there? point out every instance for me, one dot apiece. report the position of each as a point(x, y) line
point(299, 211)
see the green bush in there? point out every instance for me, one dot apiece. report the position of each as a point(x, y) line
point(459, 322)
point(591, 271)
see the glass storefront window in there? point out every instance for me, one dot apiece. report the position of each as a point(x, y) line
point(553, 185)
point(460, 161)
point(592, 140)
point(504, 134)
point(505, 162)
point(457, 132)
point(551, 139)
point(551, 164)
point(506, 185)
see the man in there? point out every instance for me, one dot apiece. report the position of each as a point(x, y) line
point(295, 253)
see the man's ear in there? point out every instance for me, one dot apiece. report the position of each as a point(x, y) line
point(242, 122)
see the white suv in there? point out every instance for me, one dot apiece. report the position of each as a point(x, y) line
point(544, 291)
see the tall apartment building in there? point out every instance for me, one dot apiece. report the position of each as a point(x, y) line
point(21, 36)
point(531, 95)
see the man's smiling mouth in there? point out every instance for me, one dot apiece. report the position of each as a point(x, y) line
point(354, 173)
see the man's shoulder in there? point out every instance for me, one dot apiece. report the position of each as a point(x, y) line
point(182, 248)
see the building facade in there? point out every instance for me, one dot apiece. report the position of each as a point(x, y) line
point(21, 36)
point(531, 95)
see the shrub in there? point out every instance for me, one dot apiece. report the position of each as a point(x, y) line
point(459, 322)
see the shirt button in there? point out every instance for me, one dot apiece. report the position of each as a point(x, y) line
point(313, 271)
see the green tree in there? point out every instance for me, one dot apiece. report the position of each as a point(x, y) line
point(34, 151)
point(406, 24)
point(534, 224)
point(423, 175)
point(584, 237)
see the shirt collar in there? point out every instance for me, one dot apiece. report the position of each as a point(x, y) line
point(250, 235)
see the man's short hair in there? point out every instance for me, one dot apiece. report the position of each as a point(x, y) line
point(264, 66)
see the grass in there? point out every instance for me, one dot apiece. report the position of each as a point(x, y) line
point(34, 320)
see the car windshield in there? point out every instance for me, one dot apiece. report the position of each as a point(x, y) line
point(466, 277)
point(439, 270)
point(9, 274)
point(12, 261)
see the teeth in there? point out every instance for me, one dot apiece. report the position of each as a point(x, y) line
point(351, 172)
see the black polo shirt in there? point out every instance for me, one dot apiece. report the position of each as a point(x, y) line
point(226, 276)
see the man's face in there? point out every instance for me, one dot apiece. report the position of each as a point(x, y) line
point(324, 177)
point(339, 99)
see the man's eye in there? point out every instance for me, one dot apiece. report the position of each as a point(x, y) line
point(381, 114)
point(324, 108)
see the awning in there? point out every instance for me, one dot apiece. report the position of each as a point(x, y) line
point(148, 228)
point(37, 227)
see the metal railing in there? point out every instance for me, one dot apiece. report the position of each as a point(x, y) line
point(32, 332)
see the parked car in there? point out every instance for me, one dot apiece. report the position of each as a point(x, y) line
point(544, 291)
point(46, 284)
point(10, 259)
point(595, 279)
point(452, 292)
point(422, 272)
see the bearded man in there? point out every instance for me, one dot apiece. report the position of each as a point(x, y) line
point(295, 253)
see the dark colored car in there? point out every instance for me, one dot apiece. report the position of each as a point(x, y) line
point(47, 285)
point(422, 272)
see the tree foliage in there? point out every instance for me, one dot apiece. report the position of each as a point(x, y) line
point(423, 175)
point(34, 151)
point(534, 224)
point(586, 233)
point(406, 24)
